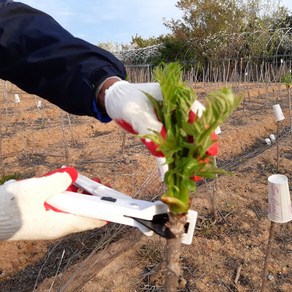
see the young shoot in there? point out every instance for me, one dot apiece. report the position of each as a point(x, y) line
point(190, 140)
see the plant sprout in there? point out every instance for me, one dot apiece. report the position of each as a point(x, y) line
point(188, 146)
point(190, 140)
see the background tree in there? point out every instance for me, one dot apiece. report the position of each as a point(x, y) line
point(263, 31)
point(211, 31)
point(207, 23)
point(228, 28)
point(140, 42)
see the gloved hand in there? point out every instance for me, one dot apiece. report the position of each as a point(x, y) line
point(23, 215)
point(127, 104)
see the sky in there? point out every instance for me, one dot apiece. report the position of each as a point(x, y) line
point(113, 21)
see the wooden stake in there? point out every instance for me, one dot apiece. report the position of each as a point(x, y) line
point(123, 143)
point(2, 171)
point(268, 255)
point(66, 151)
point(290, 111)
point(277, 140)
point(214, 193)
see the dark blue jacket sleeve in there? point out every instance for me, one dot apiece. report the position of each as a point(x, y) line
point(42, 58)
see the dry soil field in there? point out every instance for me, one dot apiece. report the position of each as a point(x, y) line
point(226, 255)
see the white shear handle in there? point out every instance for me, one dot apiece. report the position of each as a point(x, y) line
point(97, 189)
point(107, 208)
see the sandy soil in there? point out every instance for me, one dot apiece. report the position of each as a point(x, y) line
point(226, 255)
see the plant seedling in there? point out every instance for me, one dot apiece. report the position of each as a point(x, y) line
point(188, 147)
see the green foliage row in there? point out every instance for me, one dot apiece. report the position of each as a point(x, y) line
point(287, 79)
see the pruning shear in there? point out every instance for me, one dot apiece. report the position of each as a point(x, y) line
point(105, 203)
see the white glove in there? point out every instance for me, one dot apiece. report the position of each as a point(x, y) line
point(127, 104)
point(23, 215)
point(129, 107)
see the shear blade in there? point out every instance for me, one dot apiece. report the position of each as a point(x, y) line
point(158, 225)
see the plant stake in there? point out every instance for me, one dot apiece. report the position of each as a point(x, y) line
point(279, 116)
point(66, 151)
point(2, 172)
point(17, 98)
point(214, 190)
point(40, 108)
point(280, 211)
